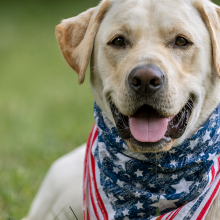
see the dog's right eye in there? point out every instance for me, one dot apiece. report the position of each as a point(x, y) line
point(118, 41)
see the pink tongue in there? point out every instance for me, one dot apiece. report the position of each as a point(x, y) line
point(148, 126)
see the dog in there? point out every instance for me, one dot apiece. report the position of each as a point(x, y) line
point(160, 57)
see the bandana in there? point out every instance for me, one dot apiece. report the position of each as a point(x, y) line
point(179, 184)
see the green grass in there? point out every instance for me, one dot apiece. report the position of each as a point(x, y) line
point(44, 113)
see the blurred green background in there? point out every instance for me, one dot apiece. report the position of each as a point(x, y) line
point(44, 113)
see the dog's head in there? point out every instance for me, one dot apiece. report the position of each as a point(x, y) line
point(154, 65)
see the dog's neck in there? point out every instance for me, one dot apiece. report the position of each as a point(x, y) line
point(163, 181)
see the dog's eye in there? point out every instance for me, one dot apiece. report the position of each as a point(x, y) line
point(181, 41)
point(118, 41)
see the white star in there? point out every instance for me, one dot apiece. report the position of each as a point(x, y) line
point(173, 162)
point(139, 205)
point(193, 143)
point(211, 142)
point(207, 136)
point(197, 184)
point(189, 156)
point(113, 199)
point(151, 185)
point(139, 173)
point(164, 203)
point(182, 186)
point(154, 198)
point(211, 156)
point(116, 170)
point(199, 161)
point(125, 212)
point(121, 198)
point(122, 160)
point(138, 185)
point(137, 194)
point(118, 139)
point(174, 176)
point(120, 183)
point(205, 176)
point(162, 192)
point(160, 176)
point(141, 214)
point(107, 178)
point(202, 154)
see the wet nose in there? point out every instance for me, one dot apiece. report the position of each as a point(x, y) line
point(146, 79)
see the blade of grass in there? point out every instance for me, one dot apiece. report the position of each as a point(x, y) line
point(73, 213)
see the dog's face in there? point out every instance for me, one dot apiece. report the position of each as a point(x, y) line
point(153, 66)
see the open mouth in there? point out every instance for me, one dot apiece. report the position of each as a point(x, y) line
point(148, 128)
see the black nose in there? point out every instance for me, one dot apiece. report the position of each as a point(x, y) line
point(146, 79)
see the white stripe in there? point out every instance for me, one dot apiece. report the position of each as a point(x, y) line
point(203, 203)
point(92, 183)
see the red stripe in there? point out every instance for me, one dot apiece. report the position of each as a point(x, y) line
point(92, 198)
point(98, 197)
point(88, 215)
point(213, 173)
point(218, 164)
point(160, 217)
point(175, 213)
point(169, 215)
point(85, 172)
point(207, 205)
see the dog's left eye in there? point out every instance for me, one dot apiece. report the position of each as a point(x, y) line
point(181, 41)
point(118, 41)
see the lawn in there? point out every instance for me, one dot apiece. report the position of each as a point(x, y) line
point(44, 112)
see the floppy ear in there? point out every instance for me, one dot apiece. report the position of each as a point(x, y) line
point(210, 14)
point(76, 36)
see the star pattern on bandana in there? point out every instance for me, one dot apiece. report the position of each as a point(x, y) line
point(211, 156)
point(139, 173)
point(173, 162)
point(118, 139)
point(137, 194)
point(120, 183)
point(125, 212)
point(112, 198)
point(164, 203)
point(182, 186)
point(116, 170)
point(193, 143)
point(139, 205)
point(207, 136)
point(122, 160)
point(141, 214)
point(174, 176)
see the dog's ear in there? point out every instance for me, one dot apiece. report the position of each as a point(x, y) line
point(76, 36)
point(210, 14)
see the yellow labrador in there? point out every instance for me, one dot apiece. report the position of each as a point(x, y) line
point(165, 53)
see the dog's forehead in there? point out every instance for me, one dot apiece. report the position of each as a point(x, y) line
point(150, 12)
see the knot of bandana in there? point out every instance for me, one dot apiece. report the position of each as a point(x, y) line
point(120, 184)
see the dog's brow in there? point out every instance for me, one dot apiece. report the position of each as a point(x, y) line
point(126, 28)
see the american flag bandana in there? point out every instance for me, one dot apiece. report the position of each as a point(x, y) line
point(180, 184)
